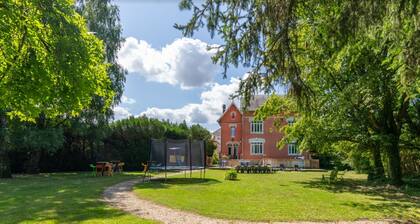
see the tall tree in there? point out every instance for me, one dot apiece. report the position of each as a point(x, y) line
point(103, 21)
point(313, 46)
point(49, 62)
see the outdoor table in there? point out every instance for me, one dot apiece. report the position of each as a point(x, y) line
point(102, 167)
point(117, 165)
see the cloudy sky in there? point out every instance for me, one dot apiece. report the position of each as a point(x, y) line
point(170, 76)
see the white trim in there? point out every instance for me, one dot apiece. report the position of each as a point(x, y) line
point(296, 148)
point(251, 140)
point(255, 141)
point(251, 124)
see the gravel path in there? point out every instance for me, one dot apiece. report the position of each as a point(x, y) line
point(121, 196)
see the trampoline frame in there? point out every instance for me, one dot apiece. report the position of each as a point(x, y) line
point(165, 167)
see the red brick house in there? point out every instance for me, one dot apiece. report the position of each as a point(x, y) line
point(244, 140)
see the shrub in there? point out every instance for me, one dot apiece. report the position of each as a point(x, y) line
point(215, 158)
point(231, 175)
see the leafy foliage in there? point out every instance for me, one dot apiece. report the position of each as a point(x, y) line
point(50, 63)
point(231, 174)
point(352, 67)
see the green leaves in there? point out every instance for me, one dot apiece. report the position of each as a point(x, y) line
point(51, 63)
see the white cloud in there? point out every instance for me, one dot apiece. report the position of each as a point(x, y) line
point(206, 112)
point(121, 113)
point(127, 100)
point(185, 62)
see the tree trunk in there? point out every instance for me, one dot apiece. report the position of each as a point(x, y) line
point(5, 170)
point(377, 162)
point(394, 161)
point(32, 164)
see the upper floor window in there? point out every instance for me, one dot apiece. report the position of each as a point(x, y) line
point(233, 115)
point(257, 127)
point(292, 149)
point(232, 131)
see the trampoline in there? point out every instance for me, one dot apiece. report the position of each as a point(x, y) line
point(177, 155)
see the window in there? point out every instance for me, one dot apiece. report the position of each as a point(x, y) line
point(257, 147)
point(233, 115)
point(233, 151)
point(257, 127)
point(292, 149)
point(290, 121)
point(232, 131)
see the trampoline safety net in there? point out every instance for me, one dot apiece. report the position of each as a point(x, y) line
point(172, 154)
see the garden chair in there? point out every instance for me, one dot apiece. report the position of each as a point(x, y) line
point(93, 167)
point(109, 168)
point(282, 167)
point(100, 168)
point(146, 172)
point(121, 167)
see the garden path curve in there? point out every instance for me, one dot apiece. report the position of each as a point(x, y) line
point(122, 197)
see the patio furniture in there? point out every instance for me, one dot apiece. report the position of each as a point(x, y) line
point(93, 167)
point(282, 167)
point(104, 168)
point(120, 167)
point(117, 166)
point(147, 174)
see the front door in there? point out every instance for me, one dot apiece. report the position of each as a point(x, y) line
point(235, 151)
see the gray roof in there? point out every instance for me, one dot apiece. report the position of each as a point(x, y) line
point(217, 132)
point(256, 101)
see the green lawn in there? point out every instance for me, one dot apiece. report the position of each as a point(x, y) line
point(283, 196)
point(60, 198)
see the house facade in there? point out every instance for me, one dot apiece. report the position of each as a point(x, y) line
point(216, 137)
point(245, 140)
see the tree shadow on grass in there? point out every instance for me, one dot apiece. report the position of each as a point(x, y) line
point(162, 183)
point(399, 203)
point(59, 199)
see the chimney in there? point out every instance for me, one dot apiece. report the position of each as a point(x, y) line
point(224, 107)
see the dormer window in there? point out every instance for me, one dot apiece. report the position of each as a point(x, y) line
point(233, 115)
point(290, 121)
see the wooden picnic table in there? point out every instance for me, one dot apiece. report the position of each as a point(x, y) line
point(104, 168)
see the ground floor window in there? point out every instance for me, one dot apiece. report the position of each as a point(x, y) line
point(292, 149)
point(257, 148)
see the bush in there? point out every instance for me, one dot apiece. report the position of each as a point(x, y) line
point(215, 158)
point(231, 175)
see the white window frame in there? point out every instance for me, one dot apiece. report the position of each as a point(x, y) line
point(290, 121)
point(256, 142)
point(256, 127)
point(232, 133)
point(292, 147)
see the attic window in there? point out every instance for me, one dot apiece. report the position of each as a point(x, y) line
point(233, 115)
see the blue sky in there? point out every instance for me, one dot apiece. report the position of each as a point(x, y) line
point(170, 77)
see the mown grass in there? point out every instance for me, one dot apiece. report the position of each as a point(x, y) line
point(284, 196)
point(60, 198)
